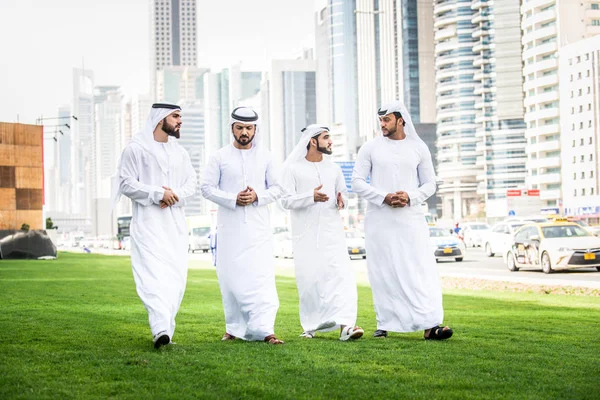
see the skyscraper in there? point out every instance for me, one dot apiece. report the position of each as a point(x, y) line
point(172, 36)
point(456, 114)
point(548, 25)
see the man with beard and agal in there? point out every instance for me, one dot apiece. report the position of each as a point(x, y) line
point(156, 173)
point(241, 180)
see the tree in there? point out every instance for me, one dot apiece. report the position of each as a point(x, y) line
point(49, 223)
point(25, 227)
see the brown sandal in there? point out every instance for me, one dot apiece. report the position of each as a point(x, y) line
point(272, 339)
point(227, 336)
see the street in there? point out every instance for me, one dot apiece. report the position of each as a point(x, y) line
point(475, 265)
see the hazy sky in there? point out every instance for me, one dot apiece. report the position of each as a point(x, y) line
point(42, 40)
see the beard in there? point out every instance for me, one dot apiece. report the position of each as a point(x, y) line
point(390, 132)
point(171, 130)
point(324, 150)
point(244, 139)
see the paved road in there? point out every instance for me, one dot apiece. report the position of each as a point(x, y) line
point(475, 265)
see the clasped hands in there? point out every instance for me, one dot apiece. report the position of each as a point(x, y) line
point(169, 198)
point(246, 197)
point(398, 199)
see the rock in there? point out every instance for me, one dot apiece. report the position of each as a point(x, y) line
point(30, 244)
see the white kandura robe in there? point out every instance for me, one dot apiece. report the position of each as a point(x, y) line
point(325, 279)
point(159, 237)
point(402, 270)
point(245, 264)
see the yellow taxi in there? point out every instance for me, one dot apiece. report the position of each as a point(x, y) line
point(552, 246)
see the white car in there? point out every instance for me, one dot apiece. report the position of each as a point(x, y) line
point(553, 246)
point(474, 233)
point(497, 240)
point(356, 245)
point(445, 245)
point(199, 239)
point(282, 245)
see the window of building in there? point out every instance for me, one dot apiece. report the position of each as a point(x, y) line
point(596, 22)
point(591, 140)
point(570, 61)
point(582, 175)
point(572, 127)
point(589, 90)
point(581, 125)
point(583, 192)
point(574, 192)
point(581, 108)
point(574, 158)
point(592, 191)
point(581, 142)
point(572, 110)
point(571, 77)
point(595, 6)
point(582, 158)
point(591, 174)
point(580, 92)
point(579, 75)
point(590, 123)
point(574, 176)
point(591, 157)
point(588, 73)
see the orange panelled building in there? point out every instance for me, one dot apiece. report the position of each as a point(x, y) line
point(21, 175)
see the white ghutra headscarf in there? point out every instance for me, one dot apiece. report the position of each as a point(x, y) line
point(299, 152)
point(397, 106)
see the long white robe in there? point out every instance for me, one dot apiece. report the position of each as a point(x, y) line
point(326, 282)
point(401, 266)
point(245, 265)
point(159, 237)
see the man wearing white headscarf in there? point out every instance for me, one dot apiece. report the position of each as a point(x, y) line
point(402, 271)
point(314, 192)
point(156, 173)
point(241, 179)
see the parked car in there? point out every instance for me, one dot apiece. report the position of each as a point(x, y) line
point(446, 245)
point(356, 245)
point(553, 246)
point(474, 233)
point(199, 239)
point(282, 245)
point(497, 240)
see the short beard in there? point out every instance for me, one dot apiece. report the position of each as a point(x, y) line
point(170, 129)
point(390, 132)
point(324, 150)
point(242, 143)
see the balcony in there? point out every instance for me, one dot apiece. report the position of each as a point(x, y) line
point(542, 130)
point(533, 4)
point(543, 97)
point(550, 194)
point(549, 162)
point(445, 33)
point(542, 17)
point(540, 50)
point(541, 66)
point(544, 81)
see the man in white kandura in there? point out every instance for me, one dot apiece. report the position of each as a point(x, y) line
point(402, 271)
point(326, 283)
point(156, 173)
point(241, 179)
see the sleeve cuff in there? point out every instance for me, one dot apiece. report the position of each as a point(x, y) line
point(158, 195)
point(414, 198)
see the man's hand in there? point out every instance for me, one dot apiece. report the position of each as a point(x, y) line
point(404, 200)
point(340, 201)
point(169, 198)
point(246, 197)
point(398, 199)
point(318, 196)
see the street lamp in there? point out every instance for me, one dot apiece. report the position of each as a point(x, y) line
point(40, 119)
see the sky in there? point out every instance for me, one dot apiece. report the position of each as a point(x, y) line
point(41, 41)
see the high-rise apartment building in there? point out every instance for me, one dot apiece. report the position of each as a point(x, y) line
point(172, 36)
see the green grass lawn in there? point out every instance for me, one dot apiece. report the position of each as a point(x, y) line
point(75, 328)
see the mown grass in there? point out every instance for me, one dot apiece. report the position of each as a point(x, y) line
point(74, 328)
